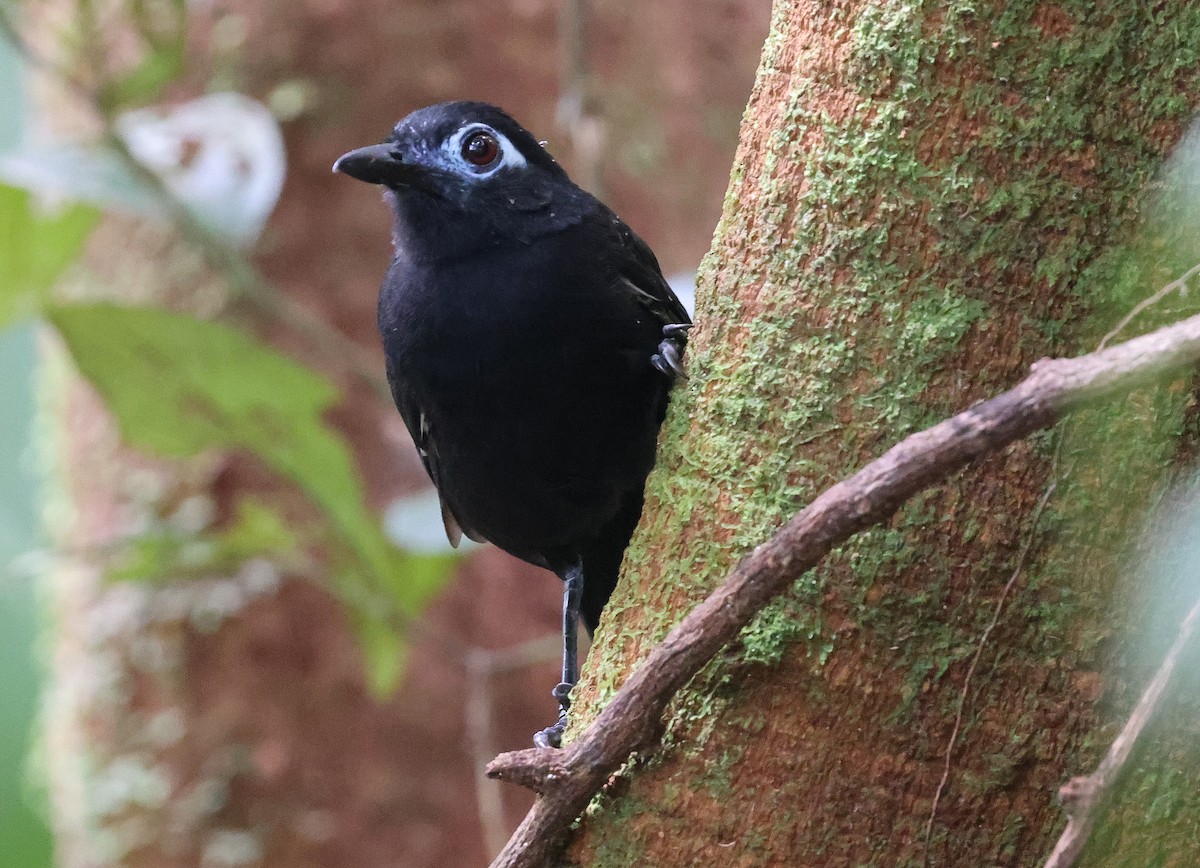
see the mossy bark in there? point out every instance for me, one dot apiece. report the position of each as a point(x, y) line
point(927, 198)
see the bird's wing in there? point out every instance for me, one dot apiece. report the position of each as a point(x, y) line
point(640, 275)
point(640, 272)
point(418, 426)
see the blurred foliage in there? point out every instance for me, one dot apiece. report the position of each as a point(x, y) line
point(179, 386)
point(35, 248)
point(257, 532)
point(24, 836)
point(161, 28)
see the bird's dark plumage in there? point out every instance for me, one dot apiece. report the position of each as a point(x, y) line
point(530, 340)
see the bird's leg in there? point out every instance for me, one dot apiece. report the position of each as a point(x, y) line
point(572, 579)
point(669, 359)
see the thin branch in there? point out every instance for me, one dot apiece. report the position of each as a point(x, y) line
point(1179, 285)
point(489, 800)
point(481, 666)
point(574, 112)
point(966, 688)
point(12, 35)
point(569, 778)
point(243, 279)
point(1083, 797)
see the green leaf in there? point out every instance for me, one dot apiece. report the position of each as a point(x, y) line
point(162, 27)
point(178, 385)
point(146, 81)
point(384, 652)
point(35, 249)
point(160, 23)
point(258, 531)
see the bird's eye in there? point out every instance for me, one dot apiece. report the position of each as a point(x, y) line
point(480, 149)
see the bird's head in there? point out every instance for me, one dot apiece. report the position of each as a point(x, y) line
point(459, 166)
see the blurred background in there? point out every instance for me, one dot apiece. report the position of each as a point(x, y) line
point(230, 631)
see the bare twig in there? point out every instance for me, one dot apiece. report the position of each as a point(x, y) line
point(1083, 797)
point(633, 719)
point(12, 35)
point(244, 280)
point(966, 688)
point(574, 113)
point(1179, 285)
point(489, 800)
point(481, 666)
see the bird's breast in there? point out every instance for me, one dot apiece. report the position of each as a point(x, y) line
point(539, 392)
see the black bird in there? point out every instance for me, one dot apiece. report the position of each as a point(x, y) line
point(531, 342)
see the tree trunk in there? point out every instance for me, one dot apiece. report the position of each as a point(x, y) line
point(927, 198)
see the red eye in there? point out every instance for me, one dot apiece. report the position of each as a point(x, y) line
point(480, 149)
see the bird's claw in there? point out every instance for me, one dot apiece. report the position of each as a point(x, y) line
point(551, 736)
point(669, 358)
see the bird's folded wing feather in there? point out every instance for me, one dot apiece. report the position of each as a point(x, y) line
point(418, 426)
point(641, 274)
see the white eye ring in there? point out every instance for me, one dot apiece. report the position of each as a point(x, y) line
point(510, 157)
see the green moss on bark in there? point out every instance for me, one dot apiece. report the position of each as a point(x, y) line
point(928, 199)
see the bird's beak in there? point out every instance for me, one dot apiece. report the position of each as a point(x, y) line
point(376, 164)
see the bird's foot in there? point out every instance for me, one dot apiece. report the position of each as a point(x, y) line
point(551, 736)
point(668, 361)
point(669, 358)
